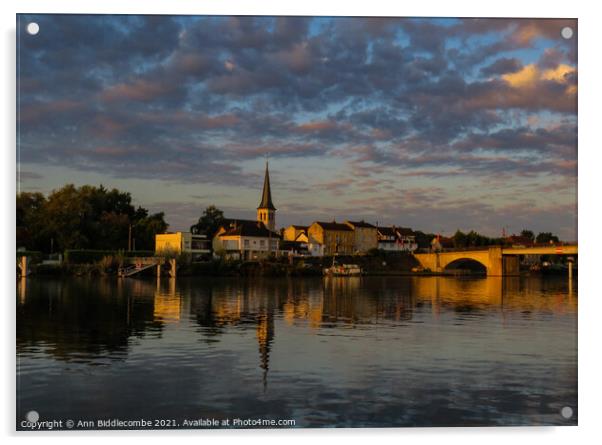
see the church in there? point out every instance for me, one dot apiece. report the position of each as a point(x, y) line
point(245, 239)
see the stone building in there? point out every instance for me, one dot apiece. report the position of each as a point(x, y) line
point(333, 237)
point(365, 236)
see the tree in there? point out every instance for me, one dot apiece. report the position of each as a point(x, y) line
point(86, 217)
point(30, 230)
point(209, 222)
point(145, 229)
point(527, 234)
point(546, 237)
point(460, 239)
point(423, 239)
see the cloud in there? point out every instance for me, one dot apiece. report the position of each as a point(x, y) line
point(138, 90)
point(502, 66)
point(362, 103)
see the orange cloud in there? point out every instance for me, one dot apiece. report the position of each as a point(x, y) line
point(140, 89)
point(317, 126)
point(530, 75)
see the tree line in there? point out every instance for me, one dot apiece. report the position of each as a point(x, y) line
point(475, 239)
point(85, 217)
point(90, 217)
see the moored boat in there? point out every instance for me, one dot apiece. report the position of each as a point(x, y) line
point(343, 270)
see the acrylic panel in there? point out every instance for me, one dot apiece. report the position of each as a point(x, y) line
point(295, 222)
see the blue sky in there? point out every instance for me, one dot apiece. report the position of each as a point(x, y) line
point(436, 124)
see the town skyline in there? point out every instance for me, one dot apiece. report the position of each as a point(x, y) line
point(434, 124)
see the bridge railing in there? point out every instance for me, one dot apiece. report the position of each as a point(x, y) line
point(505, 246)
point(454, 249)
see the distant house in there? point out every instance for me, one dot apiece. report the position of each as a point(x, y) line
point(365, 236)
point(196, 244)
point(330, 238)
point(387, 239)
point(294, 248)
point(246, 240)
point(440, 243)
point(396, 239)
point(407, 239)
point(292, 232)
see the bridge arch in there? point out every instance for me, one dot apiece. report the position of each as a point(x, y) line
point(469, 264)
point(490, 258)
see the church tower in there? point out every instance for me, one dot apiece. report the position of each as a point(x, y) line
point(266, 212)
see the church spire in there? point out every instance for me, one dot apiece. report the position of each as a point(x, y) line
point(266, 212)
point(266, 197)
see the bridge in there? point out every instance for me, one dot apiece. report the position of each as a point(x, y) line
point(497, 260)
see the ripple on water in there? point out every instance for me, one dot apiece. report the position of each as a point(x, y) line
point(380, 351)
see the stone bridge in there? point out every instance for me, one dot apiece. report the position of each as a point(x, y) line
point(497, 260)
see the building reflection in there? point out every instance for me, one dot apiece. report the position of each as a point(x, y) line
point(84, 317)
point(167, 302)
point(265, 336)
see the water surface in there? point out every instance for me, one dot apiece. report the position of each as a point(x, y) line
point(333, 352)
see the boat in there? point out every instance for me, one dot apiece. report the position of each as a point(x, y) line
point(343, 270)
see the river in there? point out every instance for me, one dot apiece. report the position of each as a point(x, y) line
point(322, 352)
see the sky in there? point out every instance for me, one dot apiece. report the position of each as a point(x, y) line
point(434, 124)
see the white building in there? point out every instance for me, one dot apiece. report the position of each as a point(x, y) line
point(396, 239)
point(245, 240)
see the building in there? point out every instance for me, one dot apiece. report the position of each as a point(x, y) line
point(246, 240)
point(330, 238)
point(292, 232)
point(407, 239)
point(294, 248)
point(387, 239)
point(440, 243)
point(266, 212)
point(396, 239)
point(250, 240)
point(198, 245)
point(365, 236)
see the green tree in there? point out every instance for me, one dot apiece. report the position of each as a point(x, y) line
point(423, 239)
point(546, 237)
point(460, 239)
point(528, 234)
point(209, 222)
point(66, 215)
point(31, 232)
point(87, 217)
point(145, 229)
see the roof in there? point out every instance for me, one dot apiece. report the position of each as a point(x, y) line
point(405, 231)
point(361, 224)
point(387, 231)
point(333, 226)
point(248, 228)
point(299, 227)
point(266, 196)
point(231, 221)
point(394, 231)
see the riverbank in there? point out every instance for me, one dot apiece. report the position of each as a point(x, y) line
point(382, 264)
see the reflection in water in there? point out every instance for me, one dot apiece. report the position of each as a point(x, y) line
point(168, 303)
point(338, 351)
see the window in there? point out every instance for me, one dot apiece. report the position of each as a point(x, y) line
point(246, 243)
point(262, 243)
